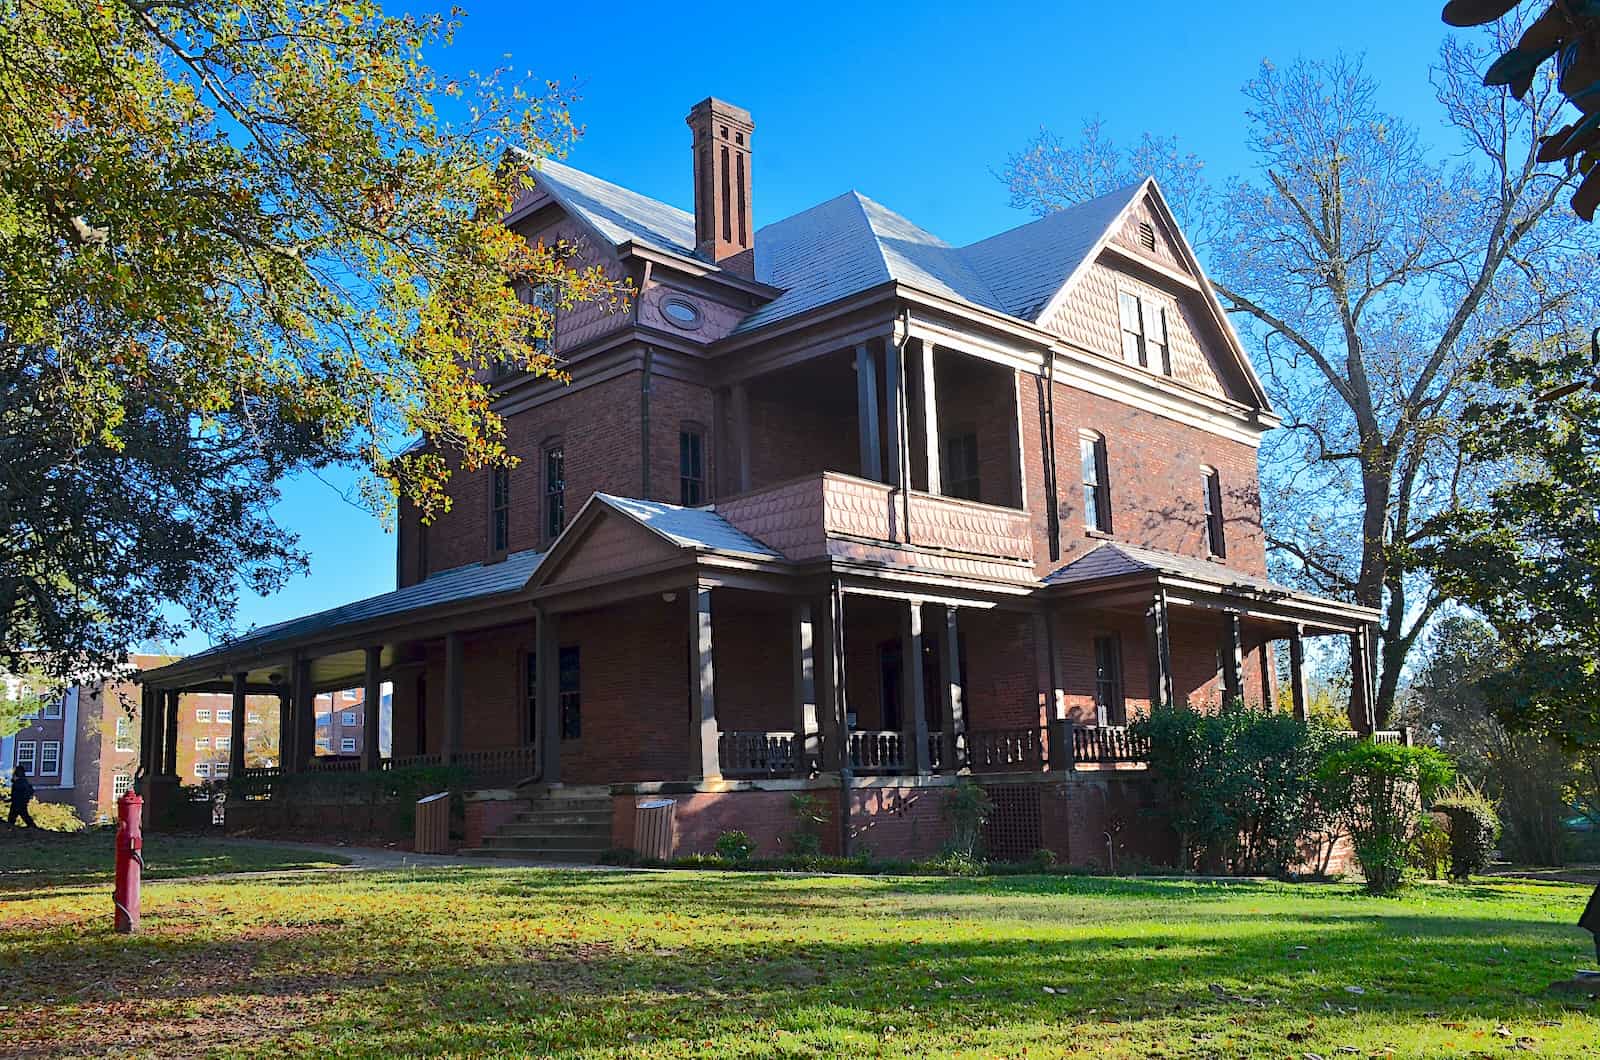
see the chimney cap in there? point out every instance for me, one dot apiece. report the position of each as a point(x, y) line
point(722, 110)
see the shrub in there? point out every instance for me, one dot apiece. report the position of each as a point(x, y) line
point(1381, 789)
point(953, 863)
point(967, 807)
point(1474, 829)
point(810, 816)
point(1242, 787)
point(1430, 847)
point(619, 856)
point(735, 847)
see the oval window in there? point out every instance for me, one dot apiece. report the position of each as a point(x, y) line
point(682, 313)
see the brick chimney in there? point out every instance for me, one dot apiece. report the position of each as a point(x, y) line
point(722, 213)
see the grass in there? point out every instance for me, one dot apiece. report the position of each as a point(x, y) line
point(501, 961)
point(31, 859)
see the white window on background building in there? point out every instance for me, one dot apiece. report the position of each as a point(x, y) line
point(50, 758)
point(202, 769)
point(349, 718)
point(220, 771)
point(322, 743)
point(347, 745)
point(28, 756)
point(203, 716)
point(225, 716)
point(52, 709)
point(202, 743)
point(124, 733)
point(121, 784)
point(350, 695)
point(224, 742)
point(253, 718)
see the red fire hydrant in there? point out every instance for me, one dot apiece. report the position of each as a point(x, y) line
point(130, 863)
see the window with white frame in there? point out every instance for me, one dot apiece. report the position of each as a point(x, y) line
point(253, 718)
point(52, 708)
point(347, 745)
point(202, 743)
point(220, 771)
point(224, 742)
point(349, 717)
point(1145, 339)
point(225, 716)
point(28, 756)
point(50, 758)
point(121, 784)
point(202, 769)
point(1096, 482)
point(350, 695)
point(203, 716)
point(124, 733)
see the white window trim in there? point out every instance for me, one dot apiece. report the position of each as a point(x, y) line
point(347, 745)
point(49, 745)
point(30, 758)
point(203, 716)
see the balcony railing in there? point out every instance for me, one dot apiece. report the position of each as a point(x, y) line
point(1107, 745)
point(1005, 750)
point(877, 751)
point(757, 754)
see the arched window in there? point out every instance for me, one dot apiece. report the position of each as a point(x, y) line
point(1096, 482)
point(691, 465)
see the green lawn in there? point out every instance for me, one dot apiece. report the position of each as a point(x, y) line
point(517, 961)
point(30, 859)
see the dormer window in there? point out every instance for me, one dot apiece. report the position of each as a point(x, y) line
point(1145, 340)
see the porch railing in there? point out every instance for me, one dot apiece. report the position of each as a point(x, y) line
point(757, 754)
point(254, 783)
point(877, 751)
point(1002, 750)
point(331, 764)
point(412, 762)
point(1107, 745)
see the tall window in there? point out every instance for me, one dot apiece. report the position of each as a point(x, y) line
point(960, 466)
point(555, 490)
point(1108, 700)
point(27, 751)
point(1144, 332)
point(1215, 542)
point(691, 467)
point(500, 510)
point(544, 297)
point(1096, 483)
point(124, 733)
point(50, 758)
point(570, 687)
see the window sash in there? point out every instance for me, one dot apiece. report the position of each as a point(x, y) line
point(203, 716)
point(124, 733)
point(569, 687)
point(1130, 316)
point(1110, 702)
point(1215, 538)
point(50, 758)
point(961, 467)
point(555, 491)
point(1155, 317)
point(27, 755)
point(691, 468)
point(347, 745)
point(499, 510)
point(1096, 484)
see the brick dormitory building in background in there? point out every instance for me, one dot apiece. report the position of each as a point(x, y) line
point(834, 507)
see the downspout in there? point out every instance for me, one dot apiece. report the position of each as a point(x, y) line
point(1052, 497)
point(644, 392)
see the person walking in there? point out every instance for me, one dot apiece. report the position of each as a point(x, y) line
point(21, 795)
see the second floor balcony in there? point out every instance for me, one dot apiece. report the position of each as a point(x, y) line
point(829, 514)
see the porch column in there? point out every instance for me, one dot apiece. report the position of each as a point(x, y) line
point(1298, 691)
point(913, 697)
point(1360, 712)
point(930, 419)
point(241, 703)
point(452, 697)
point(304, 709)
point(835, 722)
point(807, 750)
point(1232, 660)
point(705, 762)
point(1160, 648)
point(169, 756)
point(547, 697)
point(894, 403)
point(149, 730)
point(1044, 664)
point(951, 695)
point(867, 412)
point(739, 401)
point(285, 728)
point(371, 705)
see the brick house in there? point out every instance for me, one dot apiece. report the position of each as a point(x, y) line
point(833, 507)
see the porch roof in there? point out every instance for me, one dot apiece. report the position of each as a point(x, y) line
point(1110, 566)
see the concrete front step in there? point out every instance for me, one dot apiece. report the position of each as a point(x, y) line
point(591, 828)
point(553, 857)
point(563, 825)
point(591, 844)
point(554, 814)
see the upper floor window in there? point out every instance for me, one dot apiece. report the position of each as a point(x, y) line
point(1144, 332)
point(555, 490)
point(960, 467)
point(347, 745)
point(349, 695)
point(203, 716)
point(1216, 544)
point(124, 733)
point(1096, 483)
point(225, 716)
point(52, 708)
point(349, 718)
point(691, 466)
point(499, 509)
point(544, 297)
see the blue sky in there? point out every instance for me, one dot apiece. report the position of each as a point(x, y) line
point(915, 105)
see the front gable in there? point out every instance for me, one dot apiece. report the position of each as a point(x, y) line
point(602, 543)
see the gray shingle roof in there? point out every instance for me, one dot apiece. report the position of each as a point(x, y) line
point(690, 527)
point(615, 212)
point(1116, 560)
point(1025, 266)
point(452, 586)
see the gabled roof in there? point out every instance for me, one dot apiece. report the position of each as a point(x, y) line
point(1108, 560)
point(699, 528)
point(459, 584)
point(1026, 266)
point(614, 212)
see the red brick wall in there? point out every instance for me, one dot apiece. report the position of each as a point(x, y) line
point(898, 823)
point(674, 404)
point(754, 657)
point(1002, 688)
point(484, 816)
point(767, 817)
point(1155, 483)
point(798, 432)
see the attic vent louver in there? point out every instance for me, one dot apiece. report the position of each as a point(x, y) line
point(1147, 235)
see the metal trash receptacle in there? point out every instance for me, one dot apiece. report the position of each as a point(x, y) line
point(433, 824)
point(652, 828)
